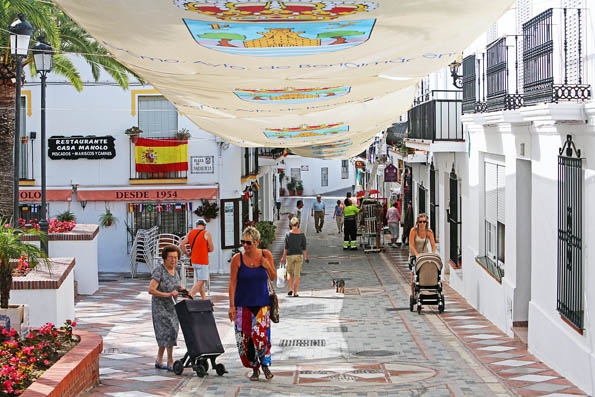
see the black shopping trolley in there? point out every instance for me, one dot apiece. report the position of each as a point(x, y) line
point(201, 336)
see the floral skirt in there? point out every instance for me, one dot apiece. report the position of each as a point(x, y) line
point(253, 336)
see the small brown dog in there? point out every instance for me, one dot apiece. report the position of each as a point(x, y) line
point(339, 285)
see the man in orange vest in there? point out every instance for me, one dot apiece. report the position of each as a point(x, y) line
point(201, 243)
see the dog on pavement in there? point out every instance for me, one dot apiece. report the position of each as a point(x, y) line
point(339, 285)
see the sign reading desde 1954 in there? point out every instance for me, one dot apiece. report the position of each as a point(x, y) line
point(202, 164)
point(81, 147)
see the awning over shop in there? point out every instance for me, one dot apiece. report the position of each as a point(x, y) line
point(293, 74)
point(147, 194)
point(34, 195)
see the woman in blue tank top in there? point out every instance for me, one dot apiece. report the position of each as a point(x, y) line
point(249, 303)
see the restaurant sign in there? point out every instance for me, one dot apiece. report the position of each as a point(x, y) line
point(391, 173)
point(81, 147)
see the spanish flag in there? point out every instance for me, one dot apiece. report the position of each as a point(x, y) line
point(161, 155)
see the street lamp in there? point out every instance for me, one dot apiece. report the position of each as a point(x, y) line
point(20, 35)
point(457, 79)
point(43, 56)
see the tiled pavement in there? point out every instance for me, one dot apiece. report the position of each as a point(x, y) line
point(363, 342)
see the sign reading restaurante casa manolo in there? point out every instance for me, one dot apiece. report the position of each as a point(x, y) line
point(81, 147)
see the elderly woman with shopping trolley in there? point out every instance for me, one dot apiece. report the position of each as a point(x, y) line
point(164, 288)
point(250, 304)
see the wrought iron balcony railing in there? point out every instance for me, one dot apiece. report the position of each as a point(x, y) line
point(273, 153)
point(438, 119)
point(516, 71)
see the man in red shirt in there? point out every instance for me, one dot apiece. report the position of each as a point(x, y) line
point(201, 243)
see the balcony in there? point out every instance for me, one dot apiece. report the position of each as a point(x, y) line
point(438, 118)
point(269, 156)
point(250, 164)
point(157, 176)
point(542, 65)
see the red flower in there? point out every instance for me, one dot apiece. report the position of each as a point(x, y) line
point(74, 324)
point(7, 386)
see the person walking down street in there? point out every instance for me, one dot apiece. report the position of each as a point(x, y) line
point(338, 215)
point(201, 243)
point(393, 219)
point(318, 211)
point(249, 303)
point(407, 223)
point(421, 240)
point(163, 287)
point(350, 237)
point(294, 255)
point(299, 205)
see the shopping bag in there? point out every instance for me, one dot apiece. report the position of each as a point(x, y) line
point(281, 276)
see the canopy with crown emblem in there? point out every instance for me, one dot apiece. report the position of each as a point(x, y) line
point(321, 76)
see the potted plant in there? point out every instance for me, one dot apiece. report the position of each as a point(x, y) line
point(281, 178)
point(107, 218)
point(183, 134)
point(13, 251)
point(267, 233)
point(207, 210)
point(66, 216)
point(133, 132)
point(291, 186)
point(299, 186)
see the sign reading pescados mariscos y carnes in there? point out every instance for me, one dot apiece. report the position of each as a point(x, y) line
point(81, 147)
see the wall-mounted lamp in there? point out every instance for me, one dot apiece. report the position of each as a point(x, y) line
point(83, 203)
point(457, 79)
point(32, 135)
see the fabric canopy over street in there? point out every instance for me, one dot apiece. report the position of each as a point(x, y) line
point(296, 73)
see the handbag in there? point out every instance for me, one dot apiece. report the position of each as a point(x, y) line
point(274, 308)
point(281, 276)
point(274, 303)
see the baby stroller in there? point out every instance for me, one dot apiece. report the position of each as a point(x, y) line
point(427, 284)
point(201, 336)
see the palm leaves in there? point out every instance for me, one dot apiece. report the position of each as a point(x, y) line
point(66, 37)
point(11, 249)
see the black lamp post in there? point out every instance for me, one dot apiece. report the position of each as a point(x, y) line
point(457, 79)
point(43, 55)
point(20, 35)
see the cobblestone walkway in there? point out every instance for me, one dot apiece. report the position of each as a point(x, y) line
point(364, 342)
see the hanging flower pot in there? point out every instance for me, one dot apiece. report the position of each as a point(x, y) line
point(134, 138)
point(207, 219)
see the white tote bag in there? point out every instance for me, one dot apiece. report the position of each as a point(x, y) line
point(281, 276)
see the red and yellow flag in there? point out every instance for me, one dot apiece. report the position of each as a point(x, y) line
point(161, 155)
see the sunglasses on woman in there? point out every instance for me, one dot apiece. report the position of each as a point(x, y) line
point(422, 221)
point(247, 242)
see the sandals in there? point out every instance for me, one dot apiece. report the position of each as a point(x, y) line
point(255, 374)
point(159, 365)
point(290, 293)
point(267, 373)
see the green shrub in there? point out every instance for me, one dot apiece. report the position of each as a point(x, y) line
point(66, 216)
point(267, 233)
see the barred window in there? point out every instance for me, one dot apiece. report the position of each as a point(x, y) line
point(157, 117)
point(173, 218)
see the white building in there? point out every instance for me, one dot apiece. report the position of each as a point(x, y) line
point(87, 185)
point(516, 184)
point(317, 175)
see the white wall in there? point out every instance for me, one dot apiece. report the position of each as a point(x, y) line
point(48, 305)
point(103, 109)
point(312, 178)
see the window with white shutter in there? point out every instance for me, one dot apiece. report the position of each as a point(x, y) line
point(494, 194)
point(157, 117)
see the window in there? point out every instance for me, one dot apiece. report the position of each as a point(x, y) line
point(157, 117)
point(570, 296)
point(324, 176)
point(421, 199)
point(31, 212)
point(495, 230)
point(344, 169)
point(453, 220)
point(296, 173)
point(173, 218)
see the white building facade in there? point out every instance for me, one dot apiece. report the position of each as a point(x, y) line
point(92, 180)
point(319, 176)
point(527, 230)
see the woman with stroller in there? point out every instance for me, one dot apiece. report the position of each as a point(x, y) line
point(249, 303)
point(164, 287)
point(295, 253)
point(421, 238)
